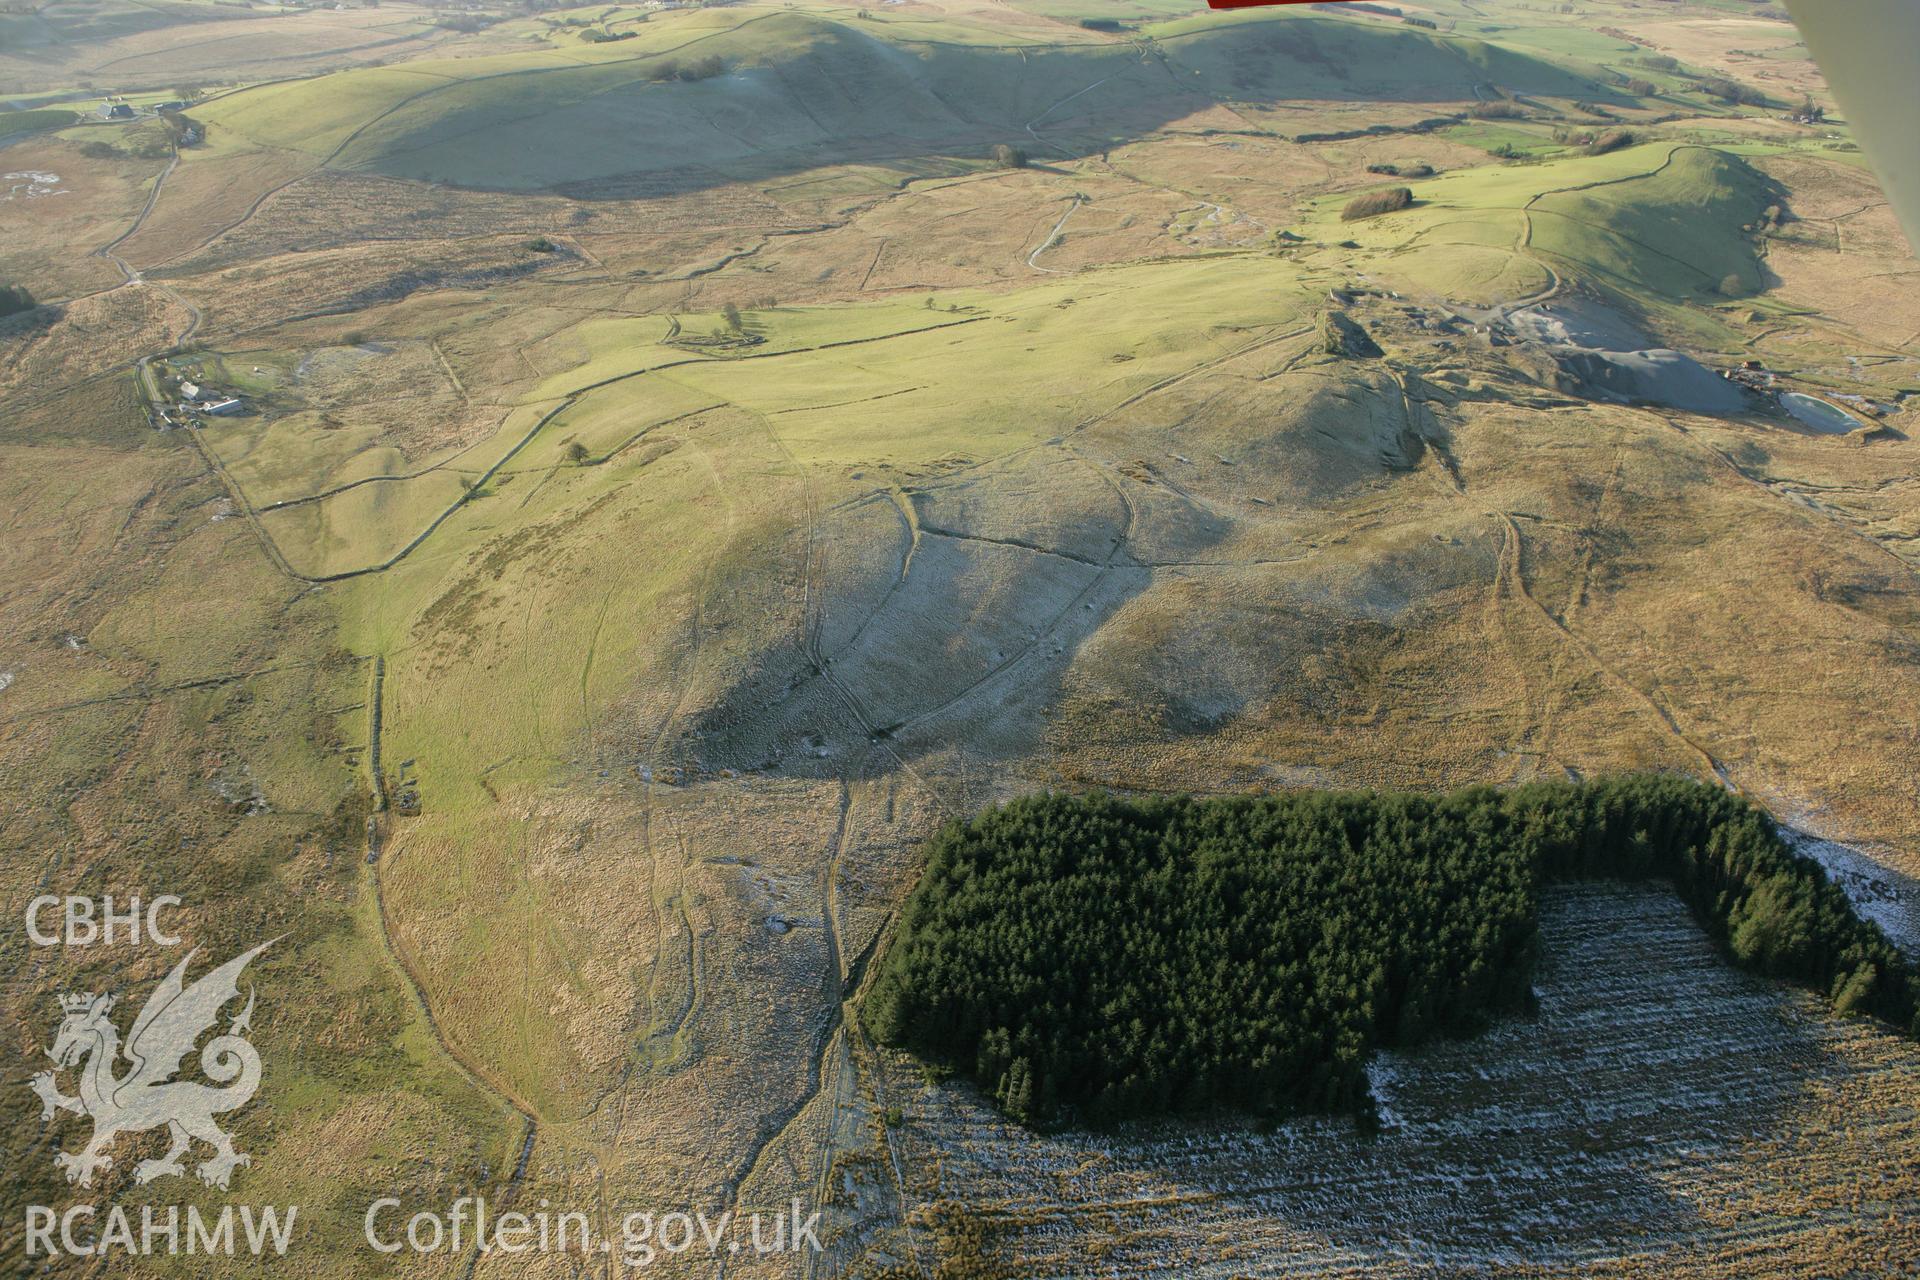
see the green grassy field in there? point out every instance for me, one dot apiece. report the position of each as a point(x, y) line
point(1505, 139)
point(1678, 232)
point(1661, 221)
point(13, 123)
point(876, 384)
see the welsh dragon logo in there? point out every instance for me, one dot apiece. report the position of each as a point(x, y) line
point(146, 1095)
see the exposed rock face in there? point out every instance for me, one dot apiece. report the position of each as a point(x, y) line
point(1345, 337)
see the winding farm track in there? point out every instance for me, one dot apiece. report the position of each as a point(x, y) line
point(1053, 236)
point(133, 279)
point(833, 997)
point(1054, 146)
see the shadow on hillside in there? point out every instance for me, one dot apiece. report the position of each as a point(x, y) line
point(31, 323)
point(962, 633)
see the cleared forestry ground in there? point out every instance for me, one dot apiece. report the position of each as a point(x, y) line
point(1664, 1115)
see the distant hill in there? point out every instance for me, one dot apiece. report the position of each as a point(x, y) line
point(66, 22)
point(1299, 57)
point(798, 90)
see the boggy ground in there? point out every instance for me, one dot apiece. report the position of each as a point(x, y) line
point(653, 645)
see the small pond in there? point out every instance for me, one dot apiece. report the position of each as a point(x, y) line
point(1822, 417)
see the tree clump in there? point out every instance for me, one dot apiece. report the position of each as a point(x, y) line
point(703, 69)
point(1374, 203)
point(1611, 140)
point(1089, 959)
point(1733, 92)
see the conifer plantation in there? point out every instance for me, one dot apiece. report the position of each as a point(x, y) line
point(1087, 959)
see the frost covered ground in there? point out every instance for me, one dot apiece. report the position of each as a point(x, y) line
point(1879, 893)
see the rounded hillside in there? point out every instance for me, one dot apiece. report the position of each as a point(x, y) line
point(770, 93)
